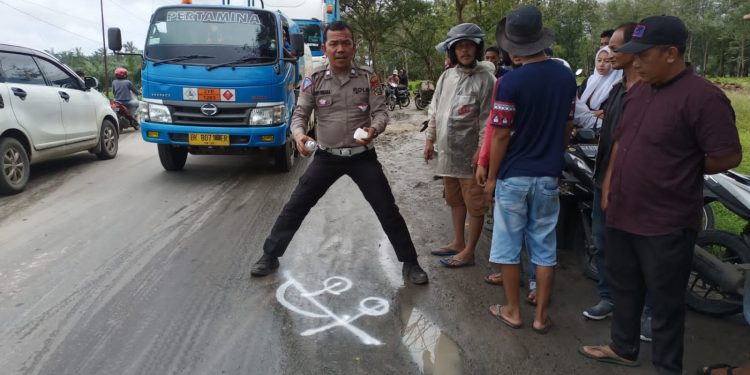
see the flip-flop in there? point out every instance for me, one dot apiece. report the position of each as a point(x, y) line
point(497, 314)
point(706, 370)
point(545, 329)
point(444, 251)
point(531, 301)
point(494, 279)
point(453, 262)
point(608, 356)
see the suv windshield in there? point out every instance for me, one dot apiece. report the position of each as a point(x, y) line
point(210, 36)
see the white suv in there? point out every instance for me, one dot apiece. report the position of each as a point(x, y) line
point(47, 111)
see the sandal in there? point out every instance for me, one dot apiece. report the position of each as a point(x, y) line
point(496, 311)
point(494, 279)
point(531, 298)
point(706, 370)
point(453, 262)
point(605, 354)
point(545, 329)
point(444, 251)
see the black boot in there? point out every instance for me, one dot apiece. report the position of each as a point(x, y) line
point(265, 265)
point(415, 273)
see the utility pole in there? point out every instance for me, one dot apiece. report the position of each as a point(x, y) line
point(104, 49)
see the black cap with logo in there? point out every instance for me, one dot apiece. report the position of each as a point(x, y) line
point(656, 31)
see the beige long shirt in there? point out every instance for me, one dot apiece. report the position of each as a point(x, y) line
point(342, 104)
point(457, 116)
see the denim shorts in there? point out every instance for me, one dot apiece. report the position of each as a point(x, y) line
point(526, 209)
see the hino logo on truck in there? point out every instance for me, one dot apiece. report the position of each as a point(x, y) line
point(209, 109)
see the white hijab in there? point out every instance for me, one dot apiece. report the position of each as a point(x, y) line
point(598, 86)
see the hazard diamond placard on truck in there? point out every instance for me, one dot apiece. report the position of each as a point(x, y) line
point(209, 94)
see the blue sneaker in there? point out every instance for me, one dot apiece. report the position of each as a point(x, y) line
point(600, 311)
point(646, 329)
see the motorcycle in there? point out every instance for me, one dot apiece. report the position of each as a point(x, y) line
point(719, 283)
point(397, 95)
point(577, 188)
point(423, 96)
point(124, 117)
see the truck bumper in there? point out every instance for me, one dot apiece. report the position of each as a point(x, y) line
point(265, 136)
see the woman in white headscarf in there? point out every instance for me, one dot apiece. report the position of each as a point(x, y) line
point(589, 106)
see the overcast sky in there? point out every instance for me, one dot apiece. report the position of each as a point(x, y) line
point(67, 24)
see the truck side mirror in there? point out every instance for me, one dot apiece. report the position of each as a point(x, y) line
point(91, 82)
point(298, 44)
point(114, 39)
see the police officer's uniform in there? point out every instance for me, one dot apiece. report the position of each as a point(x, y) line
point(342, 104)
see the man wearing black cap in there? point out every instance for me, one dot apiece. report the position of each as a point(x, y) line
point(530, 114)
point(675, 127)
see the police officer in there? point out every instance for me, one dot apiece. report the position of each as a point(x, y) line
point(345, 98)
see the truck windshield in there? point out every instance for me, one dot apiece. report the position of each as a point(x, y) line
point(211, 36)
point(311, 31)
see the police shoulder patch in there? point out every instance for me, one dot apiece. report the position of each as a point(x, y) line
point(375, 86)
point(307, 84)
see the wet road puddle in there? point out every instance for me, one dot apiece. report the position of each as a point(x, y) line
point(430, 348)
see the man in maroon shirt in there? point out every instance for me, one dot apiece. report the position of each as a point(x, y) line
point(675, 127)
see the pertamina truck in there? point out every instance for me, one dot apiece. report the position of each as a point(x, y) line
point(219, 80)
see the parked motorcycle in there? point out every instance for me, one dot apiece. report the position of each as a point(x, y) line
point(577, 185)
point(124, 118)
point(423, 96)
point(719, 283)
point(397, 95)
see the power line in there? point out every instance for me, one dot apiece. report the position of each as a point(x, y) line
point(128, 11)
point(51, 24)
point(60, 11)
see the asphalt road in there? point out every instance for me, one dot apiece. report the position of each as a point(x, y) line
point(118, 267)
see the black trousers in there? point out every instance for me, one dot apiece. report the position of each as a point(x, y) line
point(659, 265)
point(324, 170)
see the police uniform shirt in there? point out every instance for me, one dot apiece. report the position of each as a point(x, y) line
point(342, 105)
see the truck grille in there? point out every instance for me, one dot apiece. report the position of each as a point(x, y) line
point(228, 114)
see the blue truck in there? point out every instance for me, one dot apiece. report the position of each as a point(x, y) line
point(311, 16)
point(219, 80)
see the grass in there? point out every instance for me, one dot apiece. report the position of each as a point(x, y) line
point(725, 219)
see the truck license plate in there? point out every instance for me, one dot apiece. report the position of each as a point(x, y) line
point(199, 139)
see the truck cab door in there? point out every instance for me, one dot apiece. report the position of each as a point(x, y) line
point(78, 114)
point(36, 106)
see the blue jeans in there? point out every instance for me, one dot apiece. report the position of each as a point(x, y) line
point(526, 210)
point(598, 230)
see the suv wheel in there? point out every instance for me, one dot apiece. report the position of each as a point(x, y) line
point(108, 141)
point(14, 166)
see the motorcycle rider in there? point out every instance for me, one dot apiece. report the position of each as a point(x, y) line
point(123, 89)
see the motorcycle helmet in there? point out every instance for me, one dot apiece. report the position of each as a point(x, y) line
point(121, 73)
point(464, 31)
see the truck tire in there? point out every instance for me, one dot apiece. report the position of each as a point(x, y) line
point(15, 167)
point(108, 141)
point(283, 157)
point(701, 295)
point(172, 158)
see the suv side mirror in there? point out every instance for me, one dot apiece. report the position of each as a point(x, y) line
point(298, 44)
point(114, 39)
point(91, 82)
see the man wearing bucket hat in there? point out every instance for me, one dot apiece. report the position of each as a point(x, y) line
point(532, 120)
point(680, 126)
point(457, 113)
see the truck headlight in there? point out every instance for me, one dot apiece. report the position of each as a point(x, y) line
point(155, 113)
point(263, 116)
